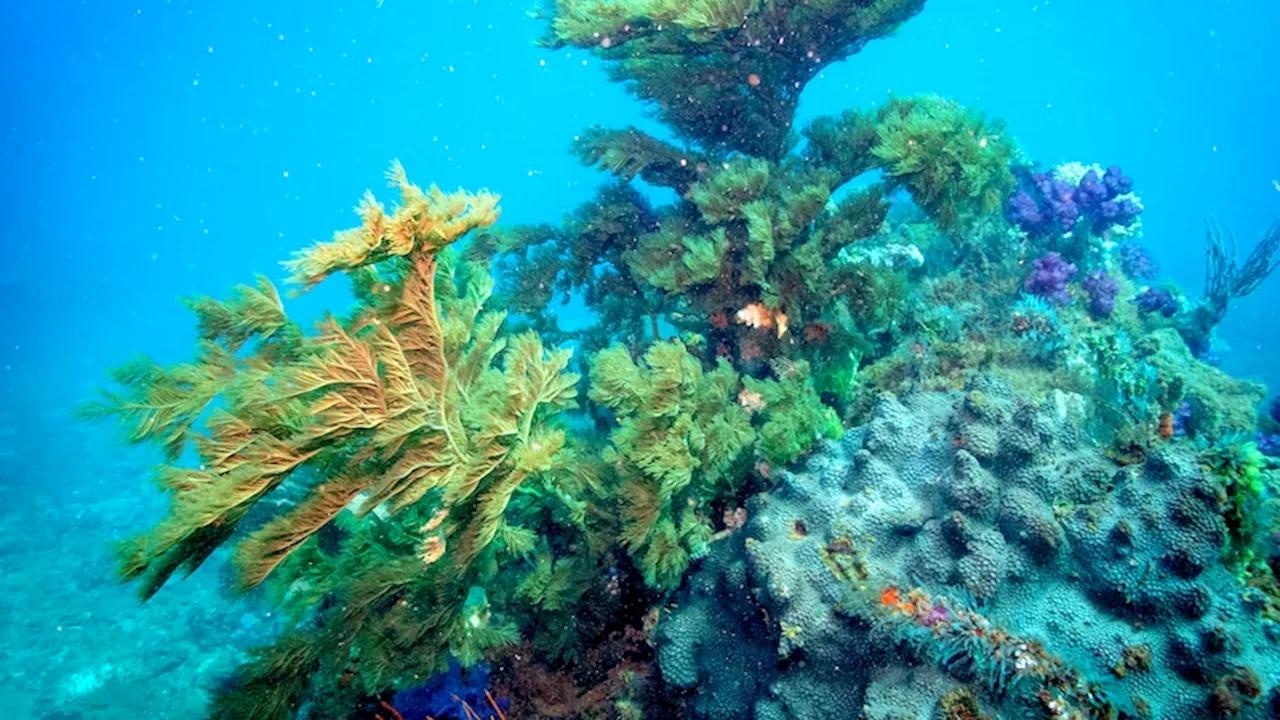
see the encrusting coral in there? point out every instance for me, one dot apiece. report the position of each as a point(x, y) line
point(1049, 502)
point(994, 542)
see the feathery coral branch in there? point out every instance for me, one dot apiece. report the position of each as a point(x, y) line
point(426, 222)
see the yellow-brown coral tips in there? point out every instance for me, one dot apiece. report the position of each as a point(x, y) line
point(432, 550)
point(435, 520)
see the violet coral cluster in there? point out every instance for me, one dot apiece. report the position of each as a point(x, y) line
point(1049, 278)
point(1049, 204)
point(1102, 290)
point(1137, 263)
point(1157, 300)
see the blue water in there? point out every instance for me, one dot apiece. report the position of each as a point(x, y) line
point(150, 150)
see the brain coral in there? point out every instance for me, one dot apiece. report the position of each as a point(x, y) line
point(1005, 505)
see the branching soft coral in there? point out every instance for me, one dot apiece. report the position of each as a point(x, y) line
point(746, 231)
point(794, 416)
point(417, 407)
point(1226, 280)
point(725, 74)
point(424, 223)
point(679, 436)
point(630, 153)
point(955, 164)
point(390, 390)
point(683, 439)
point(585, 254)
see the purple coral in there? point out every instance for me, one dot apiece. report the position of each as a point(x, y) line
point(1049, 278)
point(1116, 182)
point(1047, 204)
point(1268, 443)
point(1049, 207)
point(1102, 289)
point(1091, 192)
point(1024, 212)
point(1154, 300)
point(449, 694)
point(1137, 263)
point(1182, 419)
point(1061, 198)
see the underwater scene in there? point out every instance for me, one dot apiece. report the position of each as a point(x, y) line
point(707, 359)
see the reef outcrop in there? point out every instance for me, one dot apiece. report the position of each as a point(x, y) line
point(1004, 507)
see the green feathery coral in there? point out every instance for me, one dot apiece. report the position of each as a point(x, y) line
point(1241, 469)
point(794, 416)
point(417, 414)
point(955, 164)
point(679, 437)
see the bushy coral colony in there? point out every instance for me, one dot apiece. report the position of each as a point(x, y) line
point(871, 419)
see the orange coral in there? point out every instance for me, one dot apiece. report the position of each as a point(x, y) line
point(817, 332)
point(757, 316)
point(750, 400)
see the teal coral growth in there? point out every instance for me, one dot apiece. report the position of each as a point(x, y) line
point(817, 449)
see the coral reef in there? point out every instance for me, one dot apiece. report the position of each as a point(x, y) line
point(1037, 324)
point(1045, 507)
point(1017, 533)
point(1219, 404)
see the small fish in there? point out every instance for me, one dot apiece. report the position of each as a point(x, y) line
point(1276, 184)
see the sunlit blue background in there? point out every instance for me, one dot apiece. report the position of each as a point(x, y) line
point(155, 149)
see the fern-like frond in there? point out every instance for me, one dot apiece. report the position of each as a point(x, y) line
point(272, 684)
point(424, 222)
point(263, 550)
point(252, 310)
point(162, 404)
point(417, 323)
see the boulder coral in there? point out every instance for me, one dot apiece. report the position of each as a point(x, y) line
point(1005, 506)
